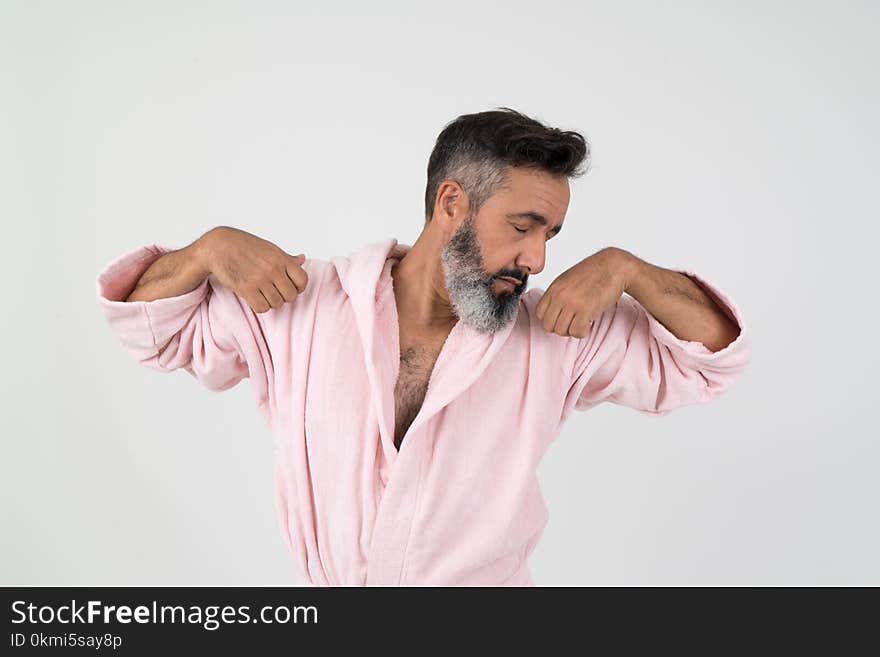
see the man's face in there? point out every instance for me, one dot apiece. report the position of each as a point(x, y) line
point(503, 242)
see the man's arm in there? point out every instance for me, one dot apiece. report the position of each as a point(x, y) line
point(679, 303)
point(253, 268)
point(666, 343)
point(173, 274)
point(172, 308)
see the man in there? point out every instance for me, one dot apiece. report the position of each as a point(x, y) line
point(412, 390)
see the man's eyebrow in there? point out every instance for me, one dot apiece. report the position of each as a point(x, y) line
point(534, 216)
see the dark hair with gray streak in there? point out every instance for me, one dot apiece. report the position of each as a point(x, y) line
point(476, 150)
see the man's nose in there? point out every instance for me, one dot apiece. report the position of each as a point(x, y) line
point(531, 261)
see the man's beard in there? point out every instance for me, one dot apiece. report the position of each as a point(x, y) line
point(470, 287)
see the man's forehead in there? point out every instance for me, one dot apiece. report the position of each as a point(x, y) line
point(540, 196)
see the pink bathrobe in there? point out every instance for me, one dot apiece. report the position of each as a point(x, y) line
point(460, 503)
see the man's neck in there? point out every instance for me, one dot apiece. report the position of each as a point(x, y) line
point(420, 290)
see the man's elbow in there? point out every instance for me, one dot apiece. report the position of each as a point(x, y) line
point(730, 334)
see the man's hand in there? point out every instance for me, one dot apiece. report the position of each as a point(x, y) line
point(578, 296)
point(254, 268)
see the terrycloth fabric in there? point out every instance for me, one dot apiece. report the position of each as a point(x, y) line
point(460, 503)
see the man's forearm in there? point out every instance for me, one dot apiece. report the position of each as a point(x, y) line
point(679, 303)
point(173, 274)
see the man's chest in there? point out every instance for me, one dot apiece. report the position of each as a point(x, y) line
point(418, 356)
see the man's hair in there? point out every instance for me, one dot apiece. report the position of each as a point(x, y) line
point(476, 150)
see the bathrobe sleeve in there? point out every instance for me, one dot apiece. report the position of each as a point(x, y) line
point(630, 358)
point(209, 332)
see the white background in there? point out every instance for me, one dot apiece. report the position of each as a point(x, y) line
point(739, 139)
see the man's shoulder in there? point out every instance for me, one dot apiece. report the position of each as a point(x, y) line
point(529, 300)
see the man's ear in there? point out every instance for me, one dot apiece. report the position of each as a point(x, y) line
point(452, 207)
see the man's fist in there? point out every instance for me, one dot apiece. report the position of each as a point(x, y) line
point(255, 269)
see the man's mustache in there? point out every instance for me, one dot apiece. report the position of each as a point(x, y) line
point(517, 277)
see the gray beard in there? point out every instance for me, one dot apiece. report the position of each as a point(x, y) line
point(470, 287)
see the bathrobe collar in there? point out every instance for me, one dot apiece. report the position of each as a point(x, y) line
point(464, 356)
